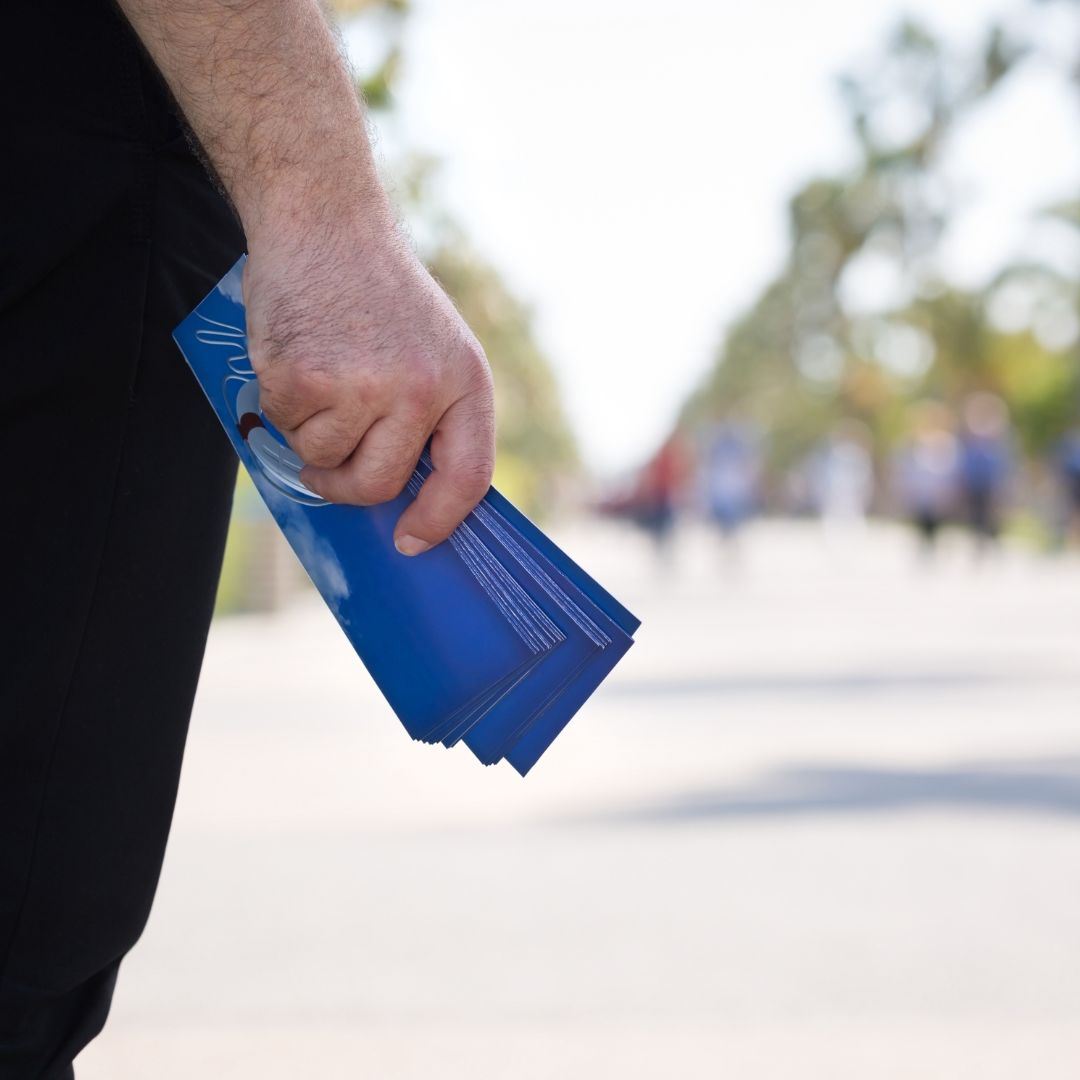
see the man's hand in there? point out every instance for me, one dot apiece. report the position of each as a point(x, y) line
point(360, 356)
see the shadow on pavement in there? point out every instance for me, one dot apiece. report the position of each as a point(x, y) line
point(861, 682)
point(1040, 787)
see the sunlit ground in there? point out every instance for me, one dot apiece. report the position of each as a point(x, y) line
point(823, 822)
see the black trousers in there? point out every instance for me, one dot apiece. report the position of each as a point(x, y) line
point(114, 502)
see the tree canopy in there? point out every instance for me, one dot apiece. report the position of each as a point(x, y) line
point(804, 356)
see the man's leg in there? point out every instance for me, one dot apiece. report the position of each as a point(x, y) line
point(116, 496)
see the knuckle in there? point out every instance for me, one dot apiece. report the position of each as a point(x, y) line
point(381, 489)
point(383, 481)
point(303, 380)
point(323, 449)
point(323, 459)
point(277, 392)
point(471, 476)
point(365, 386)
point(477, 363)
point(422, 388)
point(278, 407)
point(289, 394)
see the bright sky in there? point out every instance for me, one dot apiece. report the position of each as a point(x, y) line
point(626, 164)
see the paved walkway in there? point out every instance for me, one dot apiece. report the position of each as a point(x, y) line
point(823, 823)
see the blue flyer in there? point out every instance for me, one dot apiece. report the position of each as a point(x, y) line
point(494, 638)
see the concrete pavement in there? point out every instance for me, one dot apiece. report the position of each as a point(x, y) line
point(823, 822)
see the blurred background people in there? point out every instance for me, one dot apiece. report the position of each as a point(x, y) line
point(842, 479)
point(659, 490)
point(1068, 473)
point(926, 471)
point(985, 465)
point(729, 474)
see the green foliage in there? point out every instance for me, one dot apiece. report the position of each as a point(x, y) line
point(237, 592)
point(798, 361)
point(376, 87)
point(535, 446)
point(534, 441)
point(347, 9)
point(384, 21)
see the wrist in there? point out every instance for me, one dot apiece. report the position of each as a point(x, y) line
point(305, 206)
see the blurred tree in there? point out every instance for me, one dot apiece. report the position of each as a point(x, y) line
point(535, 446)
point(811, 351)
point(384, 22)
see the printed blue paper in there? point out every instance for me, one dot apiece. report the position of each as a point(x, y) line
point(494, 638)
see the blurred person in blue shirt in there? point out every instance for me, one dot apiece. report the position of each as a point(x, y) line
point(986, 461)
point(926, 471)
point(730, 474)
point(1068, 470)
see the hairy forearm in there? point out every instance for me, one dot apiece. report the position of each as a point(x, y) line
point(361, 358)
point(269, 96)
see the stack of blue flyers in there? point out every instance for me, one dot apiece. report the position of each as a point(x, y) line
point(495, 638)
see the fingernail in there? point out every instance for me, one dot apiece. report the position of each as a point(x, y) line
point(411, 545)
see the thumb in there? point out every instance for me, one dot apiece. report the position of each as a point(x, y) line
point(463, 459)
